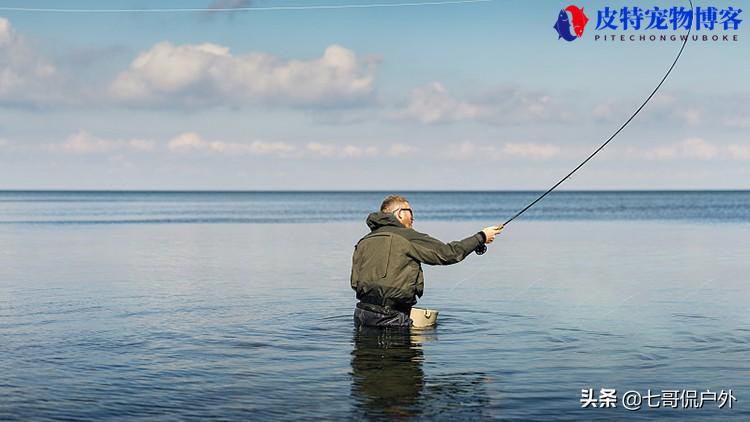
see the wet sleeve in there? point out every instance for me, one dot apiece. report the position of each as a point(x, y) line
point(431, 251)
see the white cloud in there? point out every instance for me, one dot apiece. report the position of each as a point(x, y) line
point(603, 111)
point(528, 150)
point(433, 104)
point(191, 75)
point(698, 148)
point(399, 150)
point(208, 74)
point(339, 151)
point(664, 99)
point(691, 148)
point(83, 142)
point(662, 107)
point(513, 105)
point(691, 116)
point(509, 150)
point(186, 142)
point(738, 121)
point(25, 77)
point(739, 152)
point(322, 149)
point(687, 108)
point(656, 153)
point(461, 151)
point(191, 141)
point(140, 145)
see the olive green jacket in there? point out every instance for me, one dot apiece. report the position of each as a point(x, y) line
point(386, 266)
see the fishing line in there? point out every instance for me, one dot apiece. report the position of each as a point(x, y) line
point(483, 248)
point(666, 75)
point(244, 9)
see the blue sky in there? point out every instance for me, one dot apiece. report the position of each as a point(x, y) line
point(463, 96)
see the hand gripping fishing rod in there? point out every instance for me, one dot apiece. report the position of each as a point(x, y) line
point(481, 249)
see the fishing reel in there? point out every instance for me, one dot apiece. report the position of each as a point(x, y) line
point(481, 249)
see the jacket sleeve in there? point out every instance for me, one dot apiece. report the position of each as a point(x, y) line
point(354, 279)
point(434, 252)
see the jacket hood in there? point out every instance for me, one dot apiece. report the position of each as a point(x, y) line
point(379, 219)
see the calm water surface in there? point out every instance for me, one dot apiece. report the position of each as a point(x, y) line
point(252, 320)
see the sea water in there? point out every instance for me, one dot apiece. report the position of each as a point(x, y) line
point(237, 305)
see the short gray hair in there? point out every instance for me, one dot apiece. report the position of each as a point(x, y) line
point(391, 201)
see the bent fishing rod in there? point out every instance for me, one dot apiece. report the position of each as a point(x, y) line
point(483, 248)
point(601, 147)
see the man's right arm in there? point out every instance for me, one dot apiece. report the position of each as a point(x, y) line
point(431, 251)
point(434, 252)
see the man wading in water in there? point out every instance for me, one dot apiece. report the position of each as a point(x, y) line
point(386, 266)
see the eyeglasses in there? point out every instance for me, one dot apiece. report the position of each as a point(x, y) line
point(406, 209)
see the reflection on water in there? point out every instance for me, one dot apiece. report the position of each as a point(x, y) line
point(387, 375)
point(388, 379)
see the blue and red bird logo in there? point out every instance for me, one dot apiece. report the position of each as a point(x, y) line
point(571, 22)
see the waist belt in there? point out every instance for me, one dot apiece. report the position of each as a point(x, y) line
point(383, 306)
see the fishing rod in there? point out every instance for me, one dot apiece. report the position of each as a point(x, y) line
point(666, 75)
point(483, 248)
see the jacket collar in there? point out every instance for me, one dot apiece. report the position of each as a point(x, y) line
point(379, 219)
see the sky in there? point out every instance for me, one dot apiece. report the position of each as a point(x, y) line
point(466, 96)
